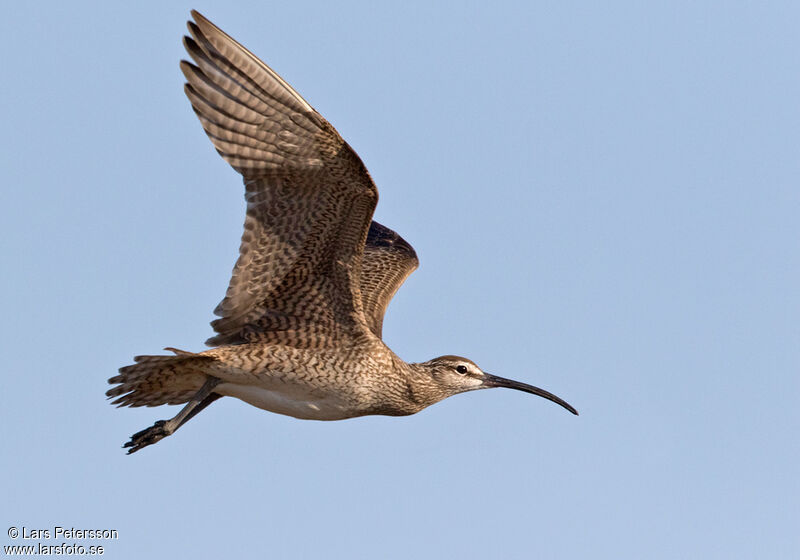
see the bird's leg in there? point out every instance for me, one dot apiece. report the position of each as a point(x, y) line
point(163, 428)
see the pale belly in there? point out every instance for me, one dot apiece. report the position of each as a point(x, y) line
point(293, 401)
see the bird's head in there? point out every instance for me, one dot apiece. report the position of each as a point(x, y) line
point(453, 374)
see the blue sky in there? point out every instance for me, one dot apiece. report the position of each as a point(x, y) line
point(604, 198)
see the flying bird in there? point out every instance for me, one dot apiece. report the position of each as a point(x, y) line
point(299, 329)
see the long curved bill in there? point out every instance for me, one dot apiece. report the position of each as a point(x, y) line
point(495, 381)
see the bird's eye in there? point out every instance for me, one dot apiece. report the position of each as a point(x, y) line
point(461, 369)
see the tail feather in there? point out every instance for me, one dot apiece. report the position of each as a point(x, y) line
point(157, 380)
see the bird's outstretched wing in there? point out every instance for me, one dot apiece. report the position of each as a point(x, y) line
point(309, 200)
point(388, 261)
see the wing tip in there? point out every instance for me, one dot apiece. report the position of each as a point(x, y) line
point(199, 18)
point(382, 236)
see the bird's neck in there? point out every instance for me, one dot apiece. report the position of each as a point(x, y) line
point(416, 386)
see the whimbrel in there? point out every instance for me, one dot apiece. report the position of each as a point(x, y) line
point(299, 329)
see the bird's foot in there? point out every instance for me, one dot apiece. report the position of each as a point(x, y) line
point(149, 436)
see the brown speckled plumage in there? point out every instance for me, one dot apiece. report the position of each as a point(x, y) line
point(299, 330)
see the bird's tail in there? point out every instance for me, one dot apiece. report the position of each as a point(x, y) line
point(157, 380)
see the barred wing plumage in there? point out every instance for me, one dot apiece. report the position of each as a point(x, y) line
point(310, 200)
point(388, 261)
